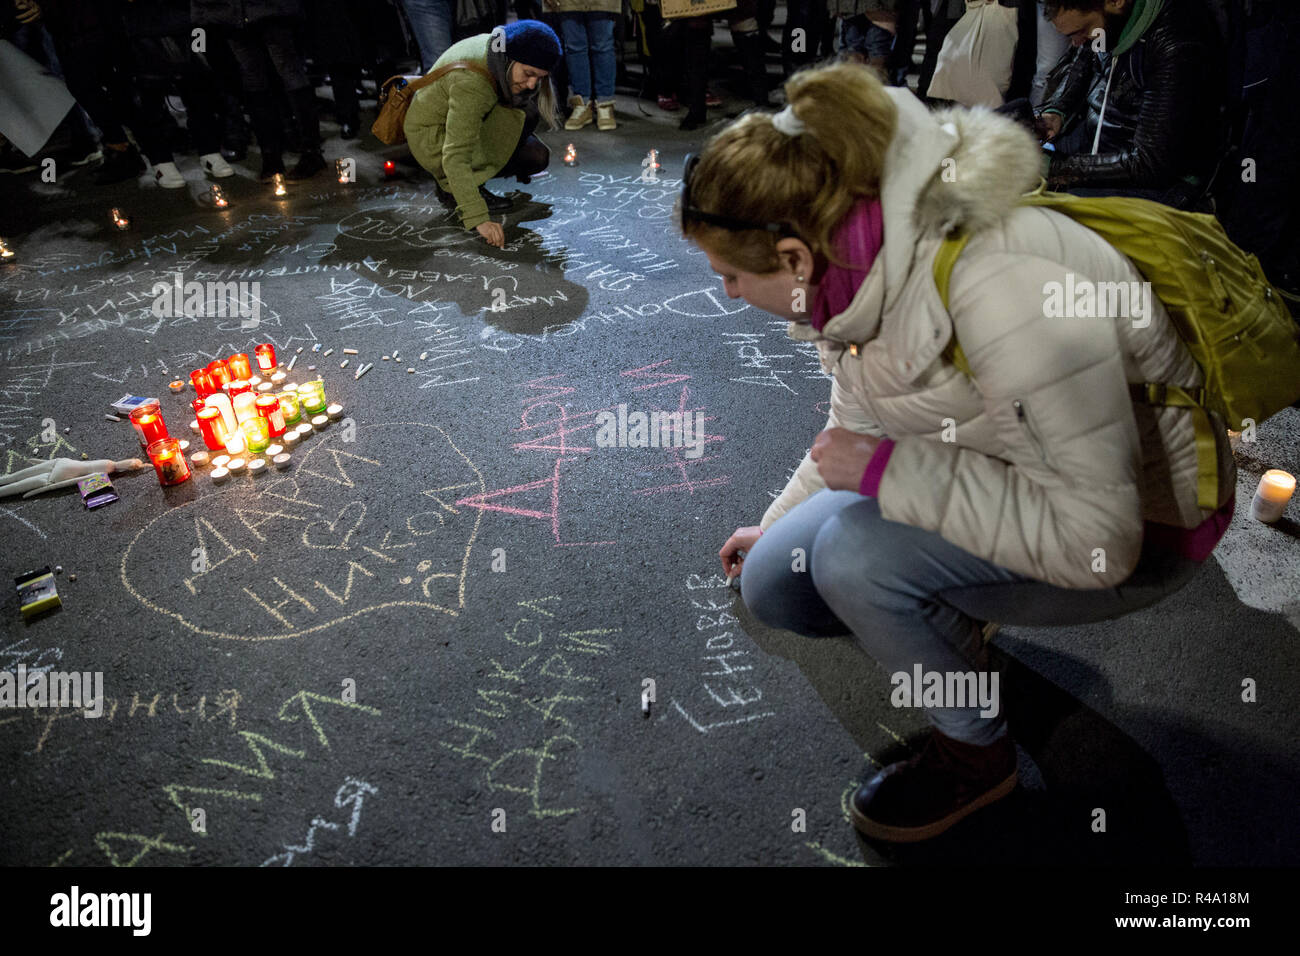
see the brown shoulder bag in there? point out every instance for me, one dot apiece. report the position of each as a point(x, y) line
point(397, 92)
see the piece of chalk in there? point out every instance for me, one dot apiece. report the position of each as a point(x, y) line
point(343, 364)
point(385, 358)
point(410, 371)
point(291, 361)
point(114, 418)
point(299, 349)
point(327, 353)
point(362, 371)
point(423, 356)
point(316, 347)
point(645, 704)
point(311, 368)
point(349, 351)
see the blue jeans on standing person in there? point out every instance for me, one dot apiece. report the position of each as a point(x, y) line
point(431, 22)
point(910, 597)
point(589, 53)
point(862, 36)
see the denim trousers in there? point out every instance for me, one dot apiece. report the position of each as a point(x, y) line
point(589, 53)
point(910, 598)
point(431, 22)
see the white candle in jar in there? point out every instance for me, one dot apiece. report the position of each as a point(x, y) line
point(221, 401)
point(1272, 495)
point(235, 443)
point(245, 406)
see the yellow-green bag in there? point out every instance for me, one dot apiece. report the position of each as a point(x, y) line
point(1233, 321)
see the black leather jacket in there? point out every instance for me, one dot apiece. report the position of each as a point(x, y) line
point(1163, 116)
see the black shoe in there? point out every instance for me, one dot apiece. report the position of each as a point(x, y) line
point(119, 165)
point(350, 131)
point(494, 202)
point(309, 164)
point(13, 160)
point(692, 121)
point(270, 166)
point(444, 197)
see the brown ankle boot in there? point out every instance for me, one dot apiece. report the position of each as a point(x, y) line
point(917, 799)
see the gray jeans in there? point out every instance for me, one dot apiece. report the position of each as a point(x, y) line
point(911, 598)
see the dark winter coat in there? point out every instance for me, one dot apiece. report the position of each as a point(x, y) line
point(237, 14)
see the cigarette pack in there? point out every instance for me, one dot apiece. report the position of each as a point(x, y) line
point(96, 490)
point(37, 592)
point(127, 403)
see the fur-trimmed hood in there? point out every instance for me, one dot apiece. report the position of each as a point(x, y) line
point(955, 168)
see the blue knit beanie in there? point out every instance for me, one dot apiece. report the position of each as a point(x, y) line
point(533, 43)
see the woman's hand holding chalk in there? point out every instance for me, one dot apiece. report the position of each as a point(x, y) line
point(737, 546)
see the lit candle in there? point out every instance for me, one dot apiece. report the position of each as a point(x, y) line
point(148, 422)
point(203, 383)
point(5, 252)
point(320, 423)
point(213, 428)
point(312, 396)
point(281, 461)
point(268, 407)
point(289, 405)
point(278, 378)
point(221, 402)
point(257, 435)
point(570, 156)
point(1272, 495)
point(265, 357)
point(220, 372)
point(239, 365)
point(177, 386)
point(221, 461)
point(335, 412)
point(341, 170)
point(235, 444)
point(220, 474)
point(390, 167)
point(119, 220)
point(238, 387)
point(257, 466)
point(304, 430)
point(194, 426)
point(245, 406)
point(279, 185)
point(199, 458)
point(291, 438)
point(168, 462)
point(219, 198)
point(237, 466)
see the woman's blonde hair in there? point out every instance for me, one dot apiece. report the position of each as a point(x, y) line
point(753, 171)
point(546, 107)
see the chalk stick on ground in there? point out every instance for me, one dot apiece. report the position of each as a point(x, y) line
point(328, 353)
point(410, 371)
point(289, 367)
point(112, 418)
point(343, 364)
point(423, 356)
point(385, 358)
point(362, 371)
point(316, 347)
point(349, 351)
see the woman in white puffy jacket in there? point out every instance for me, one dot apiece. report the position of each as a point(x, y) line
point(1033, 490)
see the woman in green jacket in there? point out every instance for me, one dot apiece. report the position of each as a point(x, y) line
point(465, 128)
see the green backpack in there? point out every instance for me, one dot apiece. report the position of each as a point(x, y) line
point(1235, 324)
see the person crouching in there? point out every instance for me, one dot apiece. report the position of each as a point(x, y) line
point(476, 121)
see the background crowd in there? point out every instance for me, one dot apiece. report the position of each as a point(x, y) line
point(1188, 107)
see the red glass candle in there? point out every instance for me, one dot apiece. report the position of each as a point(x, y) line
point(220, 372)
point(169, 461)
point(203, 383)
point(239, 366)
point(238, 387)
point(148, 422)
point(265, 357)
point(198, 405)
point(268, 406)
point(213, 428)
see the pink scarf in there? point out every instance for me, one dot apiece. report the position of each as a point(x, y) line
point(857, 241)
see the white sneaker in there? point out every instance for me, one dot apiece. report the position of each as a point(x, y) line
point(215, 165)
point(168, 176)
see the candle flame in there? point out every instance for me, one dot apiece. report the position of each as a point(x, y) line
point(279, 185)
point(5, 251)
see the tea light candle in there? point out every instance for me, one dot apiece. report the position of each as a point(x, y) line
point(274, 450)
point(195, 427)
point(335, 412)
point(119, 219)
point(254, 380)
point(303, 430)
point(220, 475)
point(177, 386)
point(281, 461)
point(265, 387)
point(237, 466)
point(320, 423)
point(1272, 495)
point(291, 438)
point(185, 444)
point(220, 461)
point(278, 378)
point(199, 458)
point(257, 466)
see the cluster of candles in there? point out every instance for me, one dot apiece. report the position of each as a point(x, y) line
point(238, 414)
